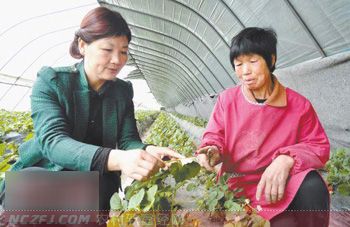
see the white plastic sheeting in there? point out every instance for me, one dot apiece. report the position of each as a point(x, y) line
point(34, 34)
point(181, 47)
point(38, 33)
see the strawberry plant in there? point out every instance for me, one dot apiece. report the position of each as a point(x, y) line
point(144, 115)
point(155, 195)
point(166, 132)
point(144, 119)
point(217, 196)
point(158, 193)
point(222, 203)
point(338, 168)
point(20, 122)
point(194, 120)
point(148, 199)
point(10, 122)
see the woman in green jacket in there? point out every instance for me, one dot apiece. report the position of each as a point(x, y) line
point(84, 116)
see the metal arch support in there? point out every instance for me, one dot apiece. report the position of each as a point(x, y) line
point(36, 38)
point(58, 59)
point(148, 65)
point(162, 78)
point(165, 78)
point(158, 89)
point(135, 76)
point(155, 88)
point(233, 14)
point(178, 41)
point(203, 18)
point(172, 57)
point(172, 22)
point(19, 85)
point(182, 97)
point(14, 77)
point(20, 101)
point(157, 67)
point(27, 44)
point(166, 91)
point(305, 27)
point(132, 57)
point(199, 92)
point(182, 54)
point(173, 71)
point(44, 15)
point(41, 54)
point(161, 93)
point(188, 95)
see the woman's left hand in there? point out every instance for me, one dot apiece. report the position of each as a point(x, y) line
point(274, 178)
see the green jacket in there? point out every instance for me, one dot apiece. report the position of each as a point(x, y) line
point(60, 109)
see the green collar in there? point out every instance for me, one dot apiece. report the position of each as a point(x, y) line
point(82, 75)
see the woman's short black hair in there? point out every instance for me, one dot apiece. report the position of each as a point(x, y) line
point(253, 40)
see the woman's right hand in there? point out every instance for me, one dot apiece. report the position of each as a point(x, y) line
point(137, 164)
point(208, 157)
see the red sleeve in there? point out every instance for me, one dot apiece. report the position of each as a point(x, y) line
point(214, 133)
point(312, 147)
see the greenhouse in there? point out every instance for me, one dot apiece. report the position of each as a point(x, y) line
point(183, 97)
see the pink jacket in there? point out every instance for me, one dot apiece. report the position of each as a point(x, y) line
point(251, 135)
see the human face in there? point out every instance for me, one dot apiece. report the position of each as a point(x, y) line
point(253, 72)
point(105, 57)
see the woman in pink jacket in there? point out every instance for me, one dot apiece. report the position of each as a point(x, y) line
point(268, 138)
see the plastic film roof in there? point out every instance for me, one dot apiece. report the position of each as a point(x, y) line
point(181, 47)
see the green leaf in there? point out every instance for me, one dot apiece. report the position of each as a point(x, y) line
point(225, 187)
point(4, 164)
point(223, 179)
point(191, 186)
point(338, 168)
point(213, 195)
point(175, 168)
point(136, 200)
point(2, 148)
point(229, 195)
point(29, 136)
point(232, 206)
point(116, 202)
point(125, 204)
point(212, 204)
point(344, 189)
point(188, 171)
point(221, 194)
point(151, 193)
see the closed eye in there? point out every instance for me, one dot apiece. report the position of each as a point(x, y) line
point(106, 49)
